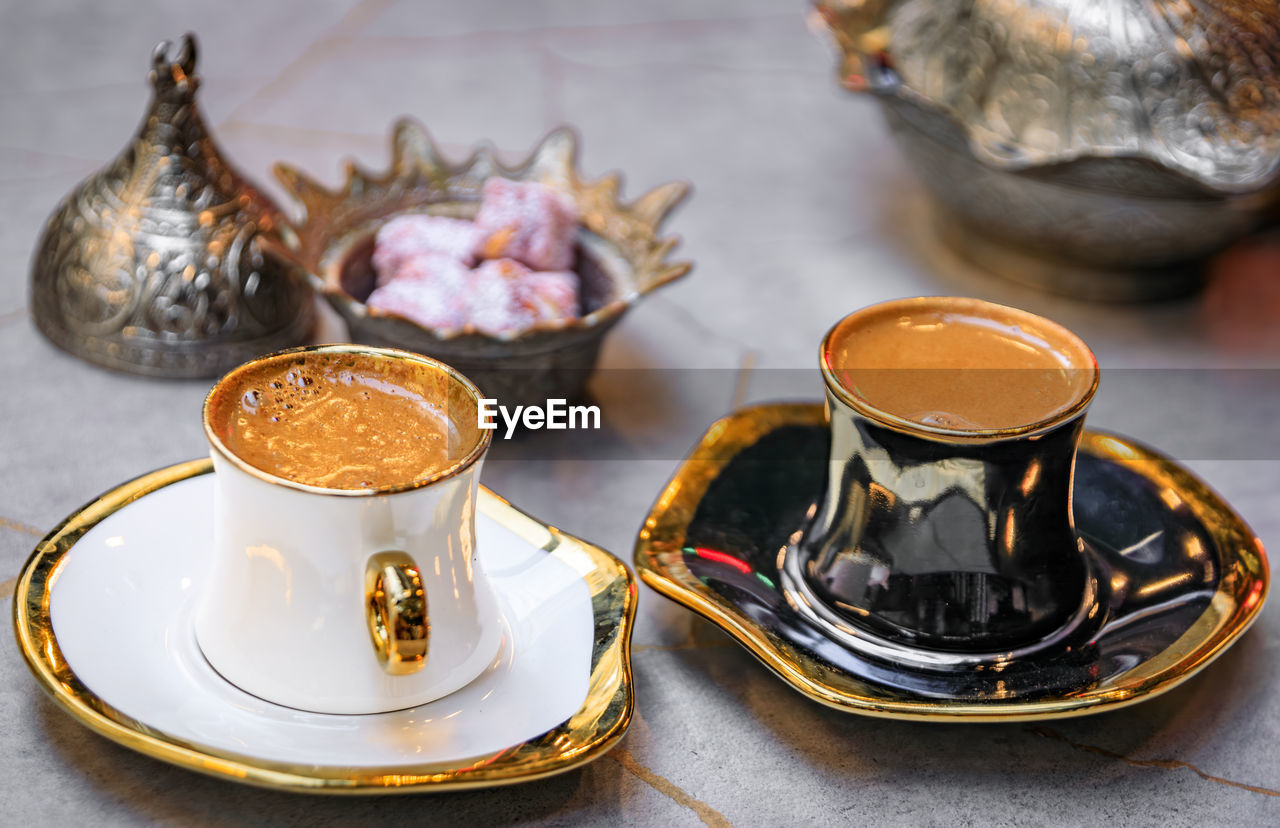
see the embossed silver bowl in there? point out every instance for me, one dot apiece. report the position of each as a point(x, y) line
point(620, 257)
point(1099, 148)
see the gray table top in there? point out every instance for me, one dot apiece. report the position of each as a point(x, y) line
point(803, 211)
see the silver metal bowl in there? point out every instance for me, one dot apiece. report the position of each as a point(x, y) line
point(620, 257)
point(1101, 148)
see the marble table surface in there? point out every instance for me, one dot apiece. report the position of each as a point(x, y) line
point(803, 210)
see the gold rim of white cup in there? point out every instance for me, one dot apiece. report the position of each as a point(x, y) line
point(471, 393)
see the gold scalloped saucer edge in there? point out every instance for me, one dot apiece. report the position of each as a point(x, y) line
point(1240, 595)
point(588, 734)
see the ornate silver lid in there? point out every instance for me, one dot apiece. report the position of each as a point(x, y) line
point(154, 264)
point(1193, 87)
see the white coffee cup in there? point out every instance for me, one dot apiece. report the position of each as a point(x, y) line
point(349, 600)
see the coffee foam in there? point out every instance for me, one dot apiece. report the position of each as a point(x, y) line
point(959, 364)
point(344, 421)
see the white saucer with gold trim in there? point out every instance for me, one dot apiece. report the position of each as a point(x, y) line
point(103, 612)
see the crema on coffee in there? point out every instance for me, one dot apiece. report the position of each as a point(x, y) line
point(959, 364)
point(343, 420)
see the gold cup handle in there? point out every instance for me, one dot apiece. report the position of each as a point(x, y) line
point(396, 605)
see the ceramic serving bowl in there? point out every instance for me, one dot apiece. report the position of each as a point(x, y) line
point(1097, 149)
point(620, 257)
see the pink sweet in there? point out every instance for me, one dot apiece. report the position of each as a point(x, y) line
point(493, 298)
point(423, 263)
point(501, 296)
point(527, 221)
point(428, 289)
point(409, 236)
point(554, 293)
point(435, 267)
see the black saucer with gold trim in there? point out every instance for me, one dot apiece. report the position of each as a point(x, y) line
point(1182, 577)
